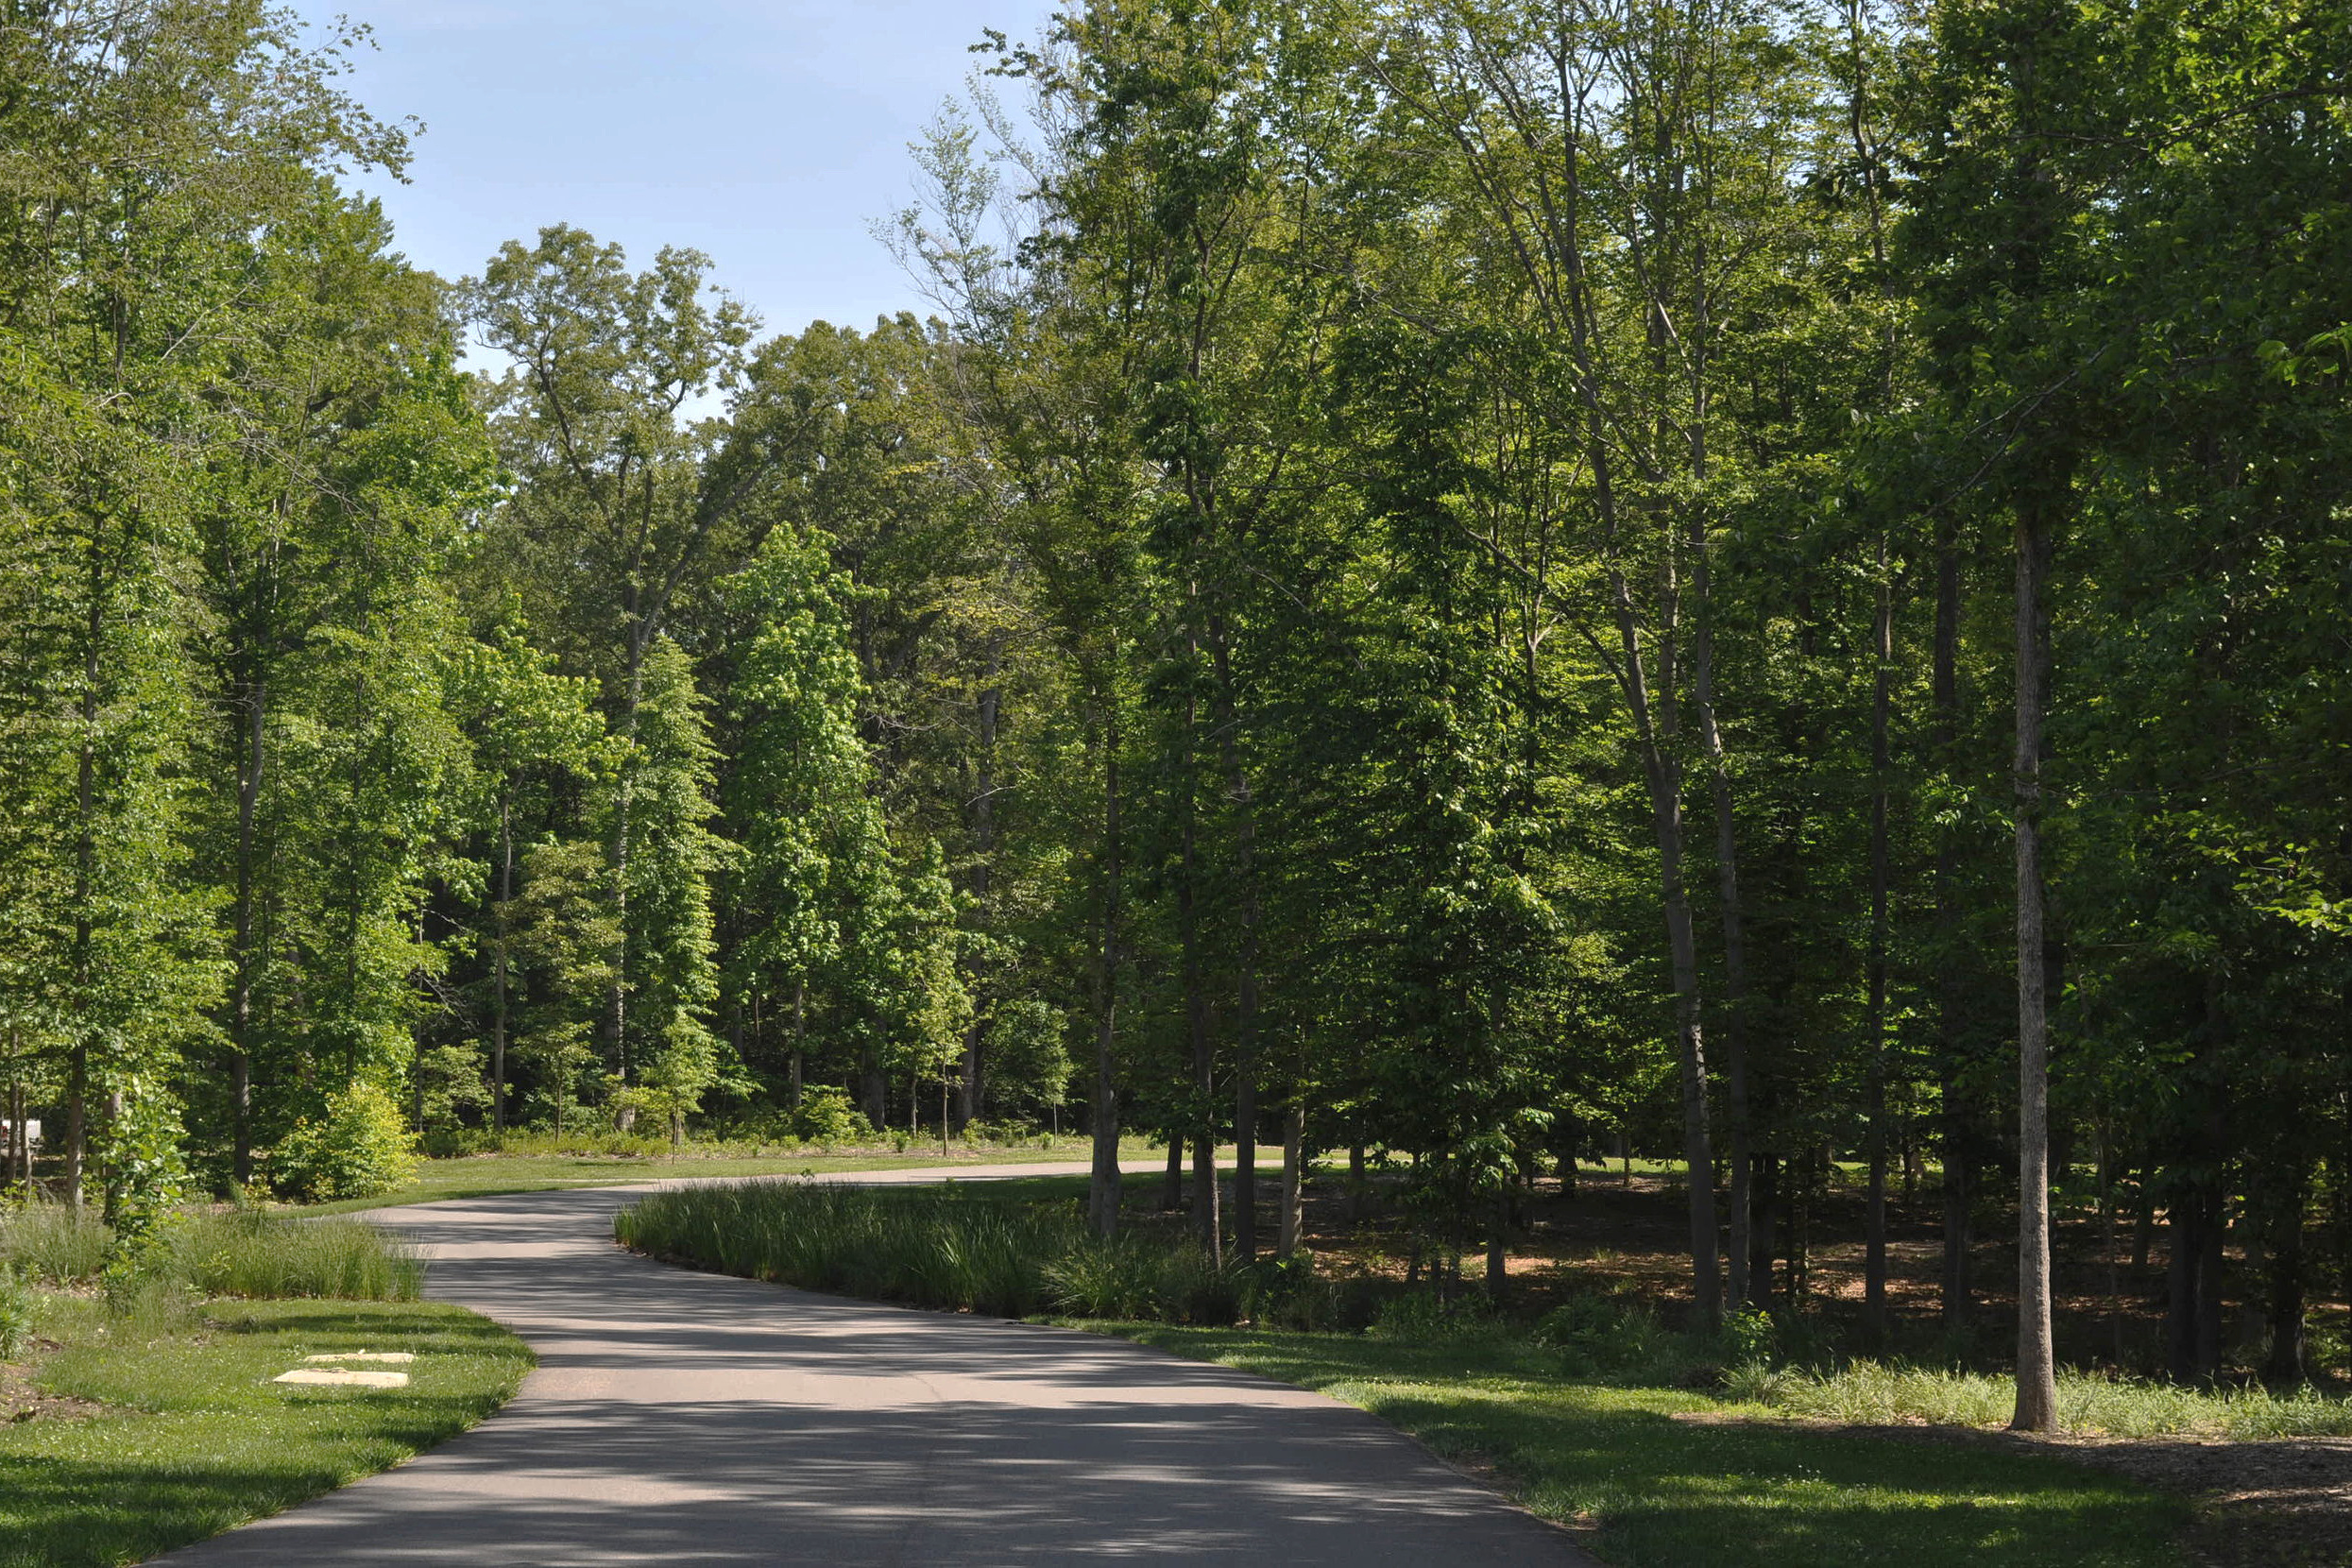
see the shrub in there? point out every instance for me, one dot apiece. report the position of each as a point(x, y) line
point(360, 1149)
point(825, 1114)
point(1423, 1317)
point(1113, 1279)
point(1604, 1337)
point(1288, 1292)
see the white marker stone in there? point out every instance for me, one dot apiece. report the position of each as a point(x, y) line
point(394, 1357)
point(344, 1377)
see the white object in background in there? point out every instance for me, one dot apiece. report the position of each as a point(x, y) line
point(344, 1377)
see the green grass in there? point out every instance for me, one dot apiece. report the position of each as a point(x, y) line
point(1654, 1491)
point(240, 1252)
point(1872, 1393)
point(977, 1248)
point(191, 1437)
point(488, 1175)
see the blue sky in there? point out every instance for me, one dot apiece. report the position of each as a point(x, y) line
point(765, 134)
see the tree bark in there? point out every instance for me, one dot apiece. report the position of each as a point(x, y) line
point(2036, 1377)
point(1246, 958)
point(1102, 1193)
point(1874, 1226)
point(1293, 1178)
point(968, 1100)
point(1205, 1218)
point(1730, 908)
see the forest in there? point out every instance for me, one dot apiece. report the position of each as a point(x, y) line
point(1445, 584)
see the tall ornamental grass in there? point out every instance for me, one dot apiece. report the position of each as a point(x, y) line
point(244, 1253)
point(1876, 1393)
point(950, 1249)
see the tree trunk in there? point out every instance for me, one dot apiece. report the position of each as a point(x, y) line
point(1172, 1184)
point(2037, 1378)
point(969, 1099)
point(1956, 1123)
point(1874, 1224)
point(617, 993)
point(1205, 1218)
point(1730, 909)
point(498, 984)
point(2287, 1284)
point(241, 993)
point(77, 1121)
point(1293, 1178)
point(1763, 1234)
point(800, 1034)
point(1102, 1192)
point(1246, 999)
point(1654, 733)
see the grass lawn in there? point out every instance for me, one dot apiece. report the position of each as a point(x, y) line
point(183, 1434)
point(1646, 1490)
point(485, 1175)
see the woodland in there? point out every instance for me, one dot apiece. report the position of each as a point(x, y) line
point(1440, 584)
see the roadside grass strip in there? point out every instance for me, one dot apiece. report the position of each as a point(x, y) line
point(1653, 1477)
point(188, 1428)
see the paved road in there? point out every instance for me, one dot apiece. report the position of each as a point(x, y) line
point(680, 1418)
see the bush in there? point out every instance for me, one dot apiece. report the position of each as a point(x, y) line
point(1604, 1337)
point(825, 1114)
point(1286, 1292)
point(361, 1148)
point(1423, 1317)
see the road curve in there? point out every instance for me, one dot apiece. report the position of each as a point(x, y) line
point(682, 1418)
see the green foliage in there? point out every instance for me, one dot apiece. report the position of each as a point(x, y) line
point(256, 1254)
point(958, 1249)
point(359, 1147)
point(53, 1242)
point(238, 1252)
point(825, 1114)
point(17, 1310)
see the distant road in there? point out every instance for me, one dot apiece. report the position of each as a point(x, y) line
point(689, 1418)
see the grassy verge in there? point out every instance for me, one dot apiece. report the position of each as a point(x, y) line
point(979, 1248)
point(138, 1410)
point(1648, 1486)
point(1874, 1393)
point(488, 1175)
point(155, 1429)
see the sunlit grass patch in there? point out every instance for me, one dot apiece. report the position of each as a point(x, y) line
point(1875, 1393)
point(1654, 1483)
point(186, 1436)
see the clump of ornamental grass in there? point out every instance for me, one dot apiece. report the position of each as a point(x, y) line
point(246, 1252)
point(953, 1249)
point(252, 1254)
point(1875, 1393)
point(55, 1243)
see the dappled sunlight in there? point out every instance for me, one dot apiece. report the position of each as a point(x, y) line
point(698, 1416)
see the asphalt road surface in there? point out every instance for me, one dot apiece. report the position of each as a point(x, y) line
point(688, 1419)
